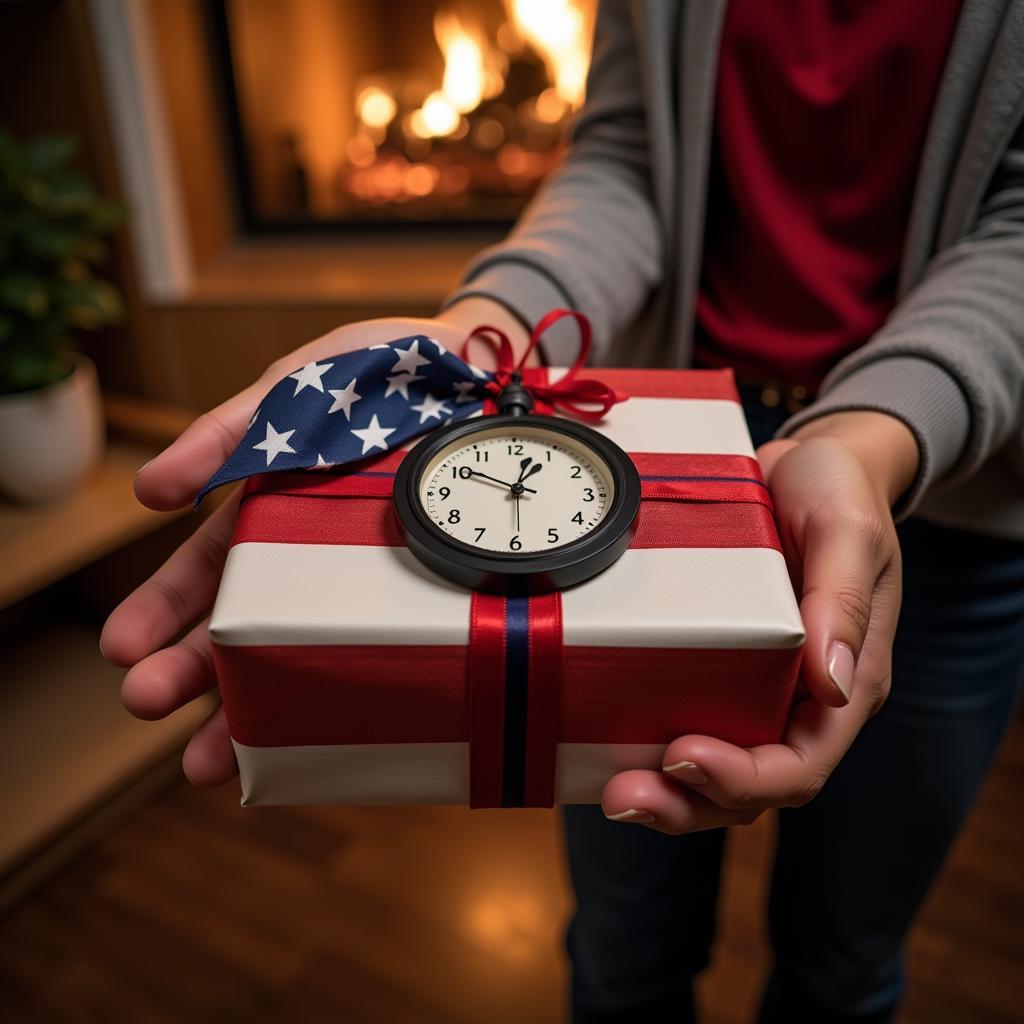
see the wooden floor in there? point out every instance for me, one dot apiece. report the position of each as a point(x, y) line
point(196, 910)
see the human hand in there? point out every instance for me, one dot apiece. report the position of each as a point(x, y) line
point(833, 484)
point(141, 634)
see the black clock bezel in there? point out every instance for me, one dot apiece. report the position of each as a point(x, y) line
point(567, 565)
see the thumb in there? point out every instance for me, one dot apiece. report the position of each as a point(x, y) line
point(842, 562)
point(769, 454)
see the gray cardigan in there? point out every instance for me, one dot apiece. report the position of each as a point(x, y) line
point(616, 233)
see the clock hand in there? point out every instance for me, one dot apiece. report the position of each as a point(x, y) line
point(517, 510)
point(504, 483)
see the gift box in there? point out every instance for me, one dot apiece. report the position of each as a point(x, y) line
point(352, 674)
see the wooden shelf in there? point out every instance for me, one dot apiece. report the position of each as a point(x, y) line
point(40, 544)
point(68, 743)
point(365, 269)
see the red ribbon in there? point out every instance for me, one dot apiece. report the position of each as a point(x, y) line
point(583, 397)
point(514, 704)
point(485, 686)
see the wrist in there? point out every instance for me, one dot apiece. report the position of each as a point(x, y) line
point(885, 445)
point(476, 310)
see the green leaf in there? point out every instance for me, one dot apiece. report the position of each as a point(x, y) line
point(48, 152)
point(50, 241)
point(90, 304)
point(71, 184)
point(104, 215)
point(8, 147)
point(92, 250)
point(24, 293)
point(74, 270)
point(28, 370)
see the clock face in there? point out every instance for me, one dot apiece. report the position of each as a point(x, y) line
point(516, 489)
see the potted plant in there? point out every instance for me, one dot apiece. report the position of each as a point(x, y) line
point(52, 230)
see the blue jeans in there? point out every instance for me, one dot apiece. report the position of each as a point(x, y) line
point(853, 866)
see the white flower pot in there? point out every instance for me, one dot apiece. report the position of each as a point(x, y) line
point(51, 439)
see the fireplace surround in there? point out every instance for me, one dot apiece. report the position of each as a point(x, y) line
point(342, 115)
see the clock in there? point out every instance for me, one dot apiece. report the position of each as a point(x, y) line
point(517, 502)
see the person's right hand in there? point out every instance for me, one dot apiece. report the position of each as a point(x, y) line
point(159, 632)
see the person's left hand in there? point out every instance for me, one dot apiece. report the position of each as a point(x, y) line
point(833, 485)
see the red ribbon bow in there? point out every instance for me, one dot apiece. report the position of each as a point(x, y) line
point(585, 398)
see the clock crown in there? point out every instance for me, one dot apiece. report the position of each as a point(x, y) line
point(515, 399)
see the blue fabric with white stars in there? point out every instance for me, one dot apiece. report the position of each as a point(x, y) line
point(348, 407)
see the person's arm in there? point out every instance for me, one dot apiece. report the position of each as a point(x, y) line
point(949, 362)
point(590, 240)
point(937, 391)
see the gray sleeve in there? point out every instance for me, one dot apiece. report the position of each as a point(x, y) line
point(949, 361)
point(590, 239)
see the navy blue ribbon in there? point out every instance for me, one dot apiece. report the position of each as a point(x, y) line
point(347, 407)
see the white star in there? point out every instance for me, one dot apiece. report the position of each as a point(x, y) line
point(477, 372)
point(409, 359)
point(344, 398)
point(275, 443)
point(441, 350)
point(320, 464)
point(465, 389)
point(430, 408)
point(374, 436)
point(310, 376)
point(400, 382)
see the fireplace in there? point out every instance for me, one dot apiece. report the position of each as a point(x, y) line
point(347, 114)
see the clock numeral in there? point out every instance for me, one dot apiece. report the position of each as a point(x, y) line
point(515, 449)
point(552, 535)
point(576, 473)
point(515, 543)
point(480, 531)
point(481, 456)
point(548, 454)
point(589, 492)
point(578, 518)
point(444, 492)
point(454, 516)
point(464, 472)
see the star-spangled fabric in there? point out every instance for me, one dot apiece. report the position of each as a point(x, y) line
point(347, 407)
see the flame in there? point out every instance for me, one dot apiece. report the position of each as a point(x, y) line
point(376, 106)
point(437, 116)
point(465, 73)
point(558, 30)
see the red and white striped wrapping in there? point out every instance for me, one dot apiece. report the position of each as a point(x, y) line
point(351, 674)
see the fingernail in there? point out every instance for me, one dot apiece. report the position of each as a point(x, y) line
point(142, 467)
point(841, 665)
point(686, 771)
point(640, 817)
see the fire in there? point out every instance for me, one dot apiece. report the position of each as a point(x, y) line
point(445, 142)
point(466, 79)
point(465, 73)
point(375, 106)
point(437, 116)
point(558, 30)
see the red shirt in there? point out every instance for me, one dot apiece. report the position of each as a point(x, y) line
point(822, 109)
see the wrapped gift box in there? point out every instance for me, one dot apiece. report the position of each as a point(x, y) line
point(351, 674)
